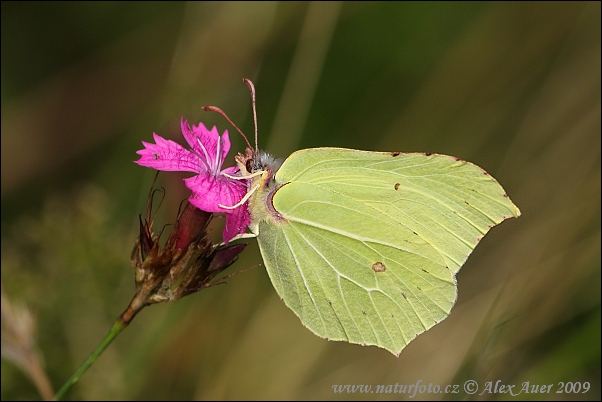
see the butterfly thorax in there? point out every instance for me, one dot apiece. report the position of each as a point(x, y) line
point(261, 167)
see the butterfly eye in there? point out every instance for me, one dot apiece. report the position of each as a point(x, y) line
point(249, 165)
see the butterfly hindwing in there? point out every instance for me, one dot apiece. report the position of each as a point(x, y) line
point(347, 281)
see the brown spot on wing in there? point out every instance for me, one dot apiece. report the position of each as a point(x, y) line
point(379, 267)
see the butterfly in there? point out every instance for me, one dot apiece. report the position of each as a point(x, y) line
point(364, 246)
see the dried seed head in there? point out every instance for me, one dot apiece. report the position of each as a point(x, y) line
point(186, 264)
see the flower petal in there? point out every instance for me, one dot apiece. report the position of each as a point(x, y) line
point(224, 192)
point(233, 171)
point(208, 192)
point(169, 156)
point(205, 144)
point(236, 222)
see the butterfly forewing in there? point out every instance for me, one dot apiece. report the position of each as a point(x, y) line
point(451, 204)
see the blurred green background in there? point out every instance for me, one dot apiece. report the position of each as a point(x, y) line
point(512, 87)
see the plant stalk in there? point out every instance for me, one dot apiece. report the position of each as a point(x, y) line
point(122, 322)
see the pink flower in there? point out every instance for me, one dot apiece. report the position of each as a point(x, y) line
point(210, 187)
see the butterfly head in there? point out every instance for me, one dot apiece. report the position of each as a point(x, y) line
point(258, 163)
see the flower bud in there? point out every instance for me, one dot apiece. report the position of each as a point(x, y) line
point(186, 264)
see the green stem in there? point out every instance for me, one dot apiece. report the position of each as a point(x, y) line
point(116, 330)
point(138, 303)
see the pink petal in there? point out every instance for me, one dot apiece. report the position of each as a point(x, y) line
point(168, 155)
point(204, 142)
point(233, 171)
point(208, 192)
point(236, 222)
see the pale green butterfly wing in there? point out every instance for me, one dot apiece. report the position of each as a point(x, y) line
point(321, 264)
point(370, 242)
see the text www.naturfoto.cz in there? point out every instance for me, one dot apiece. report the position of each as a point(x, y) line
point(351, 389)
point(411, 389)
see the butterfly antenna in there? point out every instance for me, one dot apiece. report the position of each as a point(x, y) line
point(252, 88)
point(225, 116)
